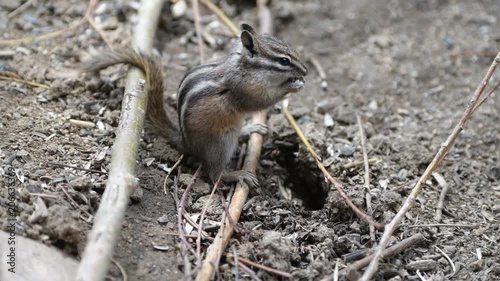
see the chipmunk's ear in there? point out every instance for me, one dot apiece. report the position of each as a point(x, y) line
point(248, 28)
point(247, 39)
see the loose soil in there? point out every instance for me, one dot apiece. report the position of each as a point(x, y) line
point(408, 68)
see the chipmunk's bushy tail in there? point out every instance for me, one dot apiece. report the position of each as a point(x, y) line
point(156, 115)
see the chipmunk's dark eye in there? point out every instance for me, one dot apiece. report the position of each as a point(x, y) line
point(284, 61)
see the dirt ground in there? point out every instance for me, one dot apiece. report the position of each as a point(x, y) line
point(408, 68)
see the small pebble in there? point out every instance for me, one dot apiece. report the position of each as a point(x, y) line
point(373, 105)
point(476, 265)
point(383, 183)
point(84, 133)
point(178, 9)
point(34, 189)
point(328, 120)
point(163, 219)
point(403, 174)
point(346, 150)
point(137, 195)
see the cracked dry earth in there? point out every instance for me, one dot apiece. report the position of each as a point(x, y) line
point(408, 68)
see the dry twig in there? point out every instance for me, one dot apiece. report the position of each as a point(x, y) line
point(76, 168)
point(109, 217)
point(87, 18)
point(202, 218)
point(170, 172)
point(197, 26)
point(444, 225)
point(121, 268)
point(438, 158)
point(247, 270)
point(259, 266)
point(335, 182)
point(222, 16)
point(321, 72)
point(444, 189)
point(20, 9)
point(352, 270)
point(185, 246)
point(368, 195)
point(29, 83)
point(360, 162)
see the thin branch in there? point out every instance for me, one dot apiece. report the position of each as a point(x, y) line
point(366, 185)
point(360, 162)
point(29, 83)
point(50, 35)
point(121, 181)
point(259, 266)
point(486, 97)
point(185, 246)
point(441, 154)
point(202, 218)
point(76, 168)
point(444, 189)
point(222, 16)
point(121, 268)
point(248, 271)
point(197, 26)
point(352, 270)
point(321, 72)
point(170, 172)
point(447, 258)
point(20, 9)
point(444, 225)
point(335, 182)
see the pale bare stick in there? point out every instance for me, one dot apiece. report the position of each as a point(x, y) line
point(448, 258)
point(444, 225)
point(185, 246)
point(335, 182)
point(366, 185)
point(108, 220)
point(222, 16)
point(352, 269)
point(29, 83)
point(100, 32)
point(202, 218)
point(259, 266)
point(170, 172)
point(74, 202)
point(20, 9)
point(241, 191)
point(50, 35)
point(247, 270)
point(197, 26)
point(360, 162)
point(236, 263)
point(444, 189)
point(486, 97)
point(121, 268)
point(76, 168)
point(187, 235)
point(321, 72)
point(438, 158)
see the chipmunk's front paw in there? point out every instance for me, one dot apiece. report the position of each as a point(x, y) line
point(254, 128)
point(241, 176)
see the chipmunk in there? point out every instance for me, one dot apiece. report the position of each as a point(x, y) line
point(213, 99)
